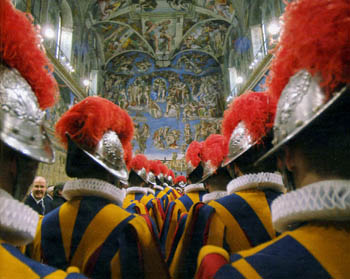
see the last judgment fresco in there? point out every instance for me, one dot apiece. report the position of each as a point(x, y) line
point(170, 106)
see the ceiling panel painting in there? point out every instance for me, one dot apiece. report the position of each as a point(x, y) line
point(208, 36)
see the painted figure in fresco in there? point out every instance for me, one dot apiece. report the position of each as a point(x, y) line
point(143, 66)
point(162, 91)
point(122, 100)
point(159, 86)
point(154, 110)
point(171, 139)
point(179, 5)
point(172, 109)
point(133, 90)
point(158, 139)
point(218, 38)
point(187, 134)
point(107, 6)
point(148, 5)
point(157, 31)
point(103, 5)
point(190, 111)
point(221, 7)
point(143, 135)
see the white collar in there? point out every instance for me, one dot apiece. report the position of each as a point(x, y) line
point(150, 191)
point(327, 200)
point(136, 190)
point(18, 222)
point(213, 196)
point(37, 201)
point(92, 187)
point(262, 180)
point(158, 187)
point(194, 188)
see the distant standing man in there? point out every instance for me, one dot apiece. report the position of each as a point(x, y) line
point(37, 199)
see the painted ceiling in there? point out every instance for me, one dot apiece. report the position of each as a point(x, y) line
point(163, 62)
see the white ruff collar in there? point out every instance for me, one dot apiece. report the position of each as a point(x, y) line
point(92, 187)
point(262, 180)
point(158, 187)
point(150, 191)
point(18, 222)
point(326, 200)
point(194, 188)
point(214, 196)
point(136, 190)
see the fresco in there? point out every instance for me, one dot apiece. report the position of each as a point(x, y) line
point(118, 37)
point(208, 36)
point(170, 106)
point(160, 34)
point(222, 8)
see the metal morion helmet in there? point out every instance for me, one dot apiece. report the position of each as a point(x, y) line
point(139, 164)
point(309, 73)
point(27, 86)
point(246, 122)
point(163, 171)
point(213, 152)
point(170, 177)
point(102, 130)
point(180, 180)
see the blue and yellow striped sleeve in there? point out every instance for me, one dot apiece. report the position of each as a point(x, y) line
point(311, 251)
point(14, 265)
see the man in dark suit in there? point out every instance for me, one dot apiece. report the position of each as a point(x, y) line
point(37, 199)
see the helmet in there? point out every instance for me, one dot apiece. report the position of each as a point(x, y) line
point(27, 88)
point(102, 130)
point(309, 73)
point(213, 152)
point(139, 164)
point(246, 122)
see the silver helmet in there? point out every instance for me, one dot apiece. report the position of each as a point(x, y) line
point(301, 102)
point(151, 178)
point(170, 179)
point(21, 119)
point(142, 173)
point(109, 153)
point(161, 177)
point(240, 142)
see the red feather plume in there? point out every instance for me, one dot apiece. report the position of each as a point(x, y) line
point(154, 167)
point(163, 168)
point(315, 37)
point(87, 121)
point(257, 111)
point(193, 153)
point(138, 162)
point(215, 149)
point(180, 178)
point(127, 154)
point(20, 49)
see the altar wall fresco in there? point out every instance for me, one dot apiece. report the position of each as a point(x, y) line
point(170, 106)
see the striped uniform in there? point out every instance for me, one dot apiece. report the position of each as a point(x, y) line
point(314, 250)
point(169, 194)
point(136, 207)
point(235, 222)
point(133, 194)
point(173, 213)
point(100, 238)
point(14, 265)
